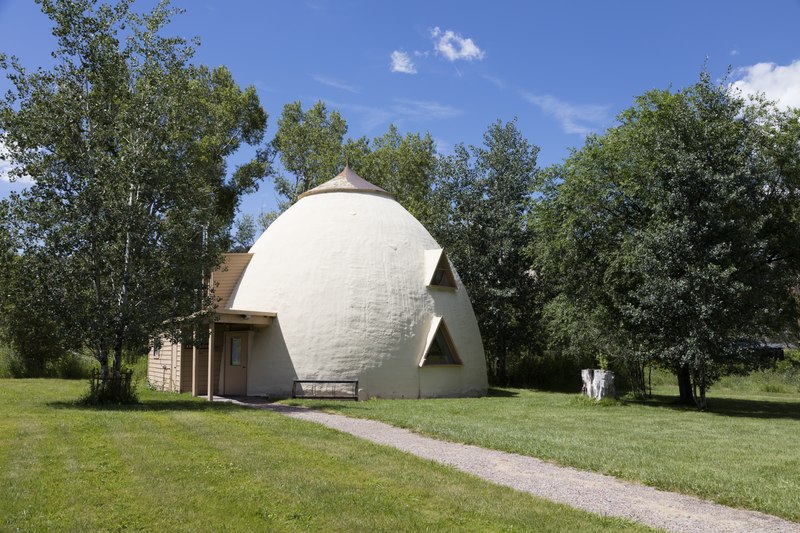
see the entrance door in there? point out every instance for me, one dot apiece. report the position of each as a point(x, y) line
point(236, 363)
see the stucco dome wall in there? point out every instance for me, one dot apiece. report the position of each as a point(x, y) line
point(345, 273)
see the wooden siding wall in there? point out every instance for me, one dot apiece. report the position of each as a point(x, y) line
point(164, 371)
point(186, 367)
point(202, 370)
point(172, 370)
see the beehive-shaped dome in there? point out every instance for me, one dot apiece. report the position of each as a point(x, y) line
point(361, 291)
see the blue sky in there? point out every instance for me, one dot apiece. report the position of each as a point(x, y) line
point(562, 68)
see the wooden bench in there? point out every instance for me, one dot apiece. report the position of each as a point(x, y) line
point(325, 389)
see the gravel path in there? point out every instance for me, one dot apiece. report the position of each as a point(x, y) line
point(592, 492)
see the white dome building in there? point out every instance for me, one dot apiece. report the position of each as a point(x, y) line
point(352, 287)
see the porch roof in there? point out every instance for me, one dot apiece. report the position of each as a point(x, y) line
point(242, 316)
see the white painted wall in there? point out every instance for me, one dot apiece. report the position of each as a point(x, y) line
point(345, 272)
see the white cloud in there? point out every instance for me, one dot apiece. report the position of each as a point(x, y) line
point(5, 168)
point(574, 118)
point(399, 111)
point(778, 83)
point(734, 52)
point(330, 82)
point(499, 83)
point(401, 62)
point(424, 109)
point(371, 117)
point(454, 47)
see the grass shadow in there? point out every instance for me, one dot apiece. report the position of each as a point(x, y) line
point(149, 406)
point(734, 407)
point(175, 403)
point(502, 393)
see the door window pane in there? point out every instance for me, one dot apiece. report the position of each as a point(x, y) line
point(236, 351)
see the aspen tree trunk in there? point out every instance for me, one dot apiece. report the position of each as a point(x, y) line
point(119, 341)
point(102, 357)
point(700, 385)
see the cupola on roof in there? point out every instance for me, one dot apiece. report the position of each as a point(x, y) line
point(347, 181)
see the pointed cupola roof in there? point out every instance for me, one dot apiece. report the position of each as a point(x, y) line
point(347, 181)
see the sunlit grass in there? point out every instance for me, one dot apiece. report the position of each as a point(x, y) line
point(743, 452)
point(175, 463)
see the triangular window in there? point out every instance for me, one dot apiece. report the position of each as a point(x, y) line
point(438, 272)
point(439, 348)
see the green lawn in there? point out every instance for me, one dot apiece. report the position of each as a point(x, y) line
point(175, 463)
point(744, 452)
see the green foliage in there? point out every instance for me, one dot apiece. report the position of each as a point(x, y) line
point(405, 167)
point(75, 365)
point(792, 357)
point(69, 365)
point(310, 146)
point(126, 142)
point(483, 197)
point(177, 463)
point(245, 233)
point(117, 389)
point(784, 379)
point(547, 370)
point(7, 361)
point(672, 237)
point(29, 307)
point(139, 366)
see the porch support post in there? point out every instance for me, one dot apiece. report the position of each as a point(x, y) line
point(194, 361)
point(211, 362)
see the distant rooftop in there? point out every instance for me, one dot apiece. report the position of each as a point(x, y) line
point(347, 181)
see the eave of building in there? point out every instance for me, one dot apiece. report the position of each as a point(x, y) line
point(242, 316)
point(225, 279)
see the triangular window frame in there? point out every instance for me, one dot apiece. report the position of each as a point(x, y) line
point(439, 335)
point(438, 271)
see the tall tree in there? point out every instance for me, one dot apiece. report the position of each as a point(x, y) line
point(244, 233)
point(313, 148)
point(484, 195)
point(673, 235)
point(406, 167)
point(31, 289)
point(126, 142)
point(310, 146)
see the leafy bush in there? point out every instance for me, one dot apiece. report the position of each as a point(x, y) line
point(70, 365)
point(74, 365)
point(7, 361)
point(139, 367)
point(549, 371)
point(783, 378)
point(114, 389)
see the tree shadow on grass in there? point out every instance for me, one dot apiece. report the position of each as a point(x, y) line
point(502, 393)
point(735, 407)
point(150, 406)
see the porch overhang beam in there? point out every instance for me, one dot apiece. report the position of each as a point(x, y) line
point(241, 316)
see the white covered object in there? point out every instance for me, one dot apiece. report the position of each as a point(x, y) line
point(345, 271)
point(598, 384)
